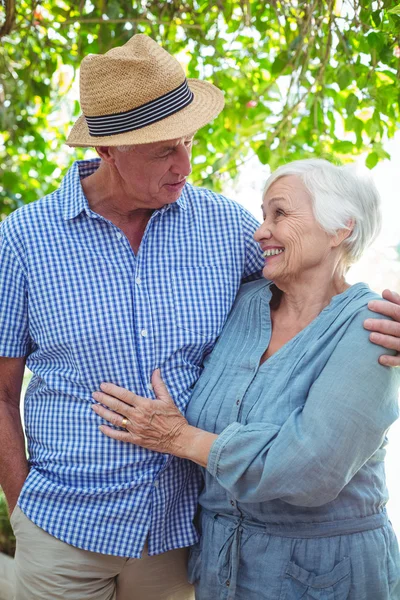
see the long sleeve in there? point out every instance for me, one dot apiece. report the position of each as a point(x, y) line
point(309, 459)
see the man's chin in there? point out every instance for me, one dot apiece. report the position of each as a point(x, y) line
point(169, 197)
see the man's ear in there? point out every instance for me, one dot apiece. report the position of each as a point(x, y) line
point(106, 153)
point(343, 234)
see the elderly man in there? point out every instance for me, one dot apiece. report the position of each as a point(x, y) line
point(123, 269)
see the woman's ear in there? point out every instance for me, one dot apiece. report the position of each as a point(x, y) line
point(343, 234)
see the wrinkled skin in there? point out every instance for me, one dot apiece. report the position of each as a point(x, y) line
point(289, 222)
point(146, 171)
point(153, 424)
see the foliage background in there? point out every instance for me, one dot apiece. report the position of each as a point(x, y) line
point(7, 539)
point(300, 78)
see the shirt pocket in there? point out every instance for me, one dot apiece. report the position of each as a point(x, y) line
point(299, 583)
point(202, 297)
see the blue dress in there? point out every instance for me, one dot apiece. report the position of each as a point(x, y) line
point(293, 505)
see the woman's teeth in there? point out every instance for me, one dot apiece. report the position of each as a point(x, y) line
point(273, 252)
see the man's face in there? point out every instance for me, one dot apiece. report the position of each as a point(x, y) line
point(154, 174)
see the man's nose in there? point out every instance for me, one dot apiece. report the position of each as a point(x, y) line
point(182, 164)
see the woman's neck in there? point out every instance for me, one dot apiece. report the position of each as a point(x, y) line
point(303, 299)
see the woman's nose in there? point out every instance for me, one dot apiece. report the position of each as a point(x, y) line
point(262, 233)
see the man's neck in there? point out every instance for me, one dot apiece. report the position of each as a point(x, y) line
point(105, 198)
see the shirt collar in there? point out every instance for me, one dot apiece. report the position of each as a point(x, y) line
point(71, 190)
point(76, 201)
point(182, 200)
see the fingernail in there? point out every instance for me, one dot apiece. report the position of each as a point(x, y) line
point(368, 323)
point(95, 395)
point(374, 336)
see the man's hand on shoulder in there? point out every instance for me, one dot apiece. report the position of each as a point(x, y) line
point(385, 332)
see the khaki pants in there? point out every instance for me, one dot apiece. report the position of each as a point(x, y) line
point(48, 569)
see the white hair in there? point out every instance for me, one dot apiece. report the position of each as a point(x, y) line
point(343, 197)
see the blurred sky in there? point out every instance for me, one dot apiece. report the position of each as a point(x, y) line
point(379, 267)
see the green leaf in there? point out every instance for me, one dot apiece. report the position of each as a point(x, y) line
point(344, 77)
point(77, 108)
point(395, 10)
point(376, 40)
point(343, 147)
point(351, 104)
point(233, 26)
point(376, 18)
point(372, 160)
point(263, 154)
point(279, 63)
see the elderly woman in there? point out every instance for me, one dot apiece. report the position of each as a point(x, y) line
point(289, 418)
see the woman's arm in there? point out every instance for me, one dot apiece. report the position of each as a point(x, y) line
point(308, 460)
point(322, 445)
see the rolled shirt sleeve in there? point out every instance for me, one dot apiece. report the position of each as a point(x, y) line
point(310, 458)
point(14, 329)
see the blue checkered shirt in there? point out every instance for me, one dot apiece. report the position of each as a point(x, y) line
point(83, 308)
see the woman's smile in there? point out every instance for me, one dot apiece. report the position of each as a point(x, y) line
point(272, 251)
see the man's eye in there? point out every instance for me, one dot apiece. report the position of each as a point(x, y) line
point(279, 212)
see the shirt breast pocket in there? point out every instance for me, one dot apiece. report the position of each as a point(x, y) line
point(202, 297)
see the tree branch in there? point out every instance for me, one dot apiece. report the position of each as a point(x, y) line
point(287, 113)
point(9, 22)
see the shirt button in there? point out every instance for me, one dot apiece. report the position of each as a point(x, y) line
point(227, 583)
point(119, 236)
point(138, 281)
point(156, 483)
point(238, 402)
point(150, 387)
point(143, 333)
point(232, 503)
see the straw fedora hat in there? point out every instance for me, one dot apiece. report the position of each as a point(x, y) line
point(138, 93)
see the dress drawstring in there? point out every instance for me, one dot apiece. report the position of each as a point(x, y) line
point(229, 557)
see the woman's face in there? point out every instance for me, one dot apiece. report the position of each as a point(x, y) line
point(293, 242)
